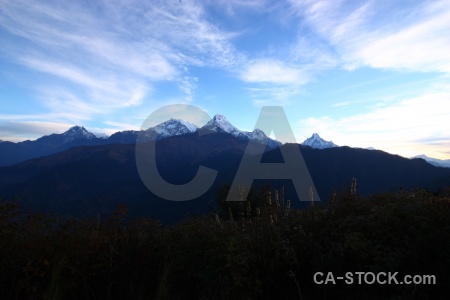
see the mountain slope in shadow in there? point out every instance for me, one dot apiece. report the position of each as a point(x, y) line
point(87, 181)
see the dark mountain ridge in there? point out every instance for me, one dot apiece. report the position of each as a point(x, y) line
point(86, 181)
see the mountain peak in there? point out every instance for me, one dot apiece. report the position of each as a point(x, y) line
point(434, 161)
point(173, 127)
point(315, 141)
point(220, 118)
point(191, 127)
point(77, 132)
point(220, 124)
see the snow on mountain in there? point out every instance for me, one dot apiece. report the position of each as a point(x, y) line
point(173, 127)
point(220, 124)
point(434, 161)
point(163, 130)
point(77, 133)
point(315, 141)
point(256, 134)
point(101, 135)
point(259, 135)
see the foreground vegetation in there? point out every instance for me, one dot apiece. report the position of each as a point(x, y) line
point(258, 249)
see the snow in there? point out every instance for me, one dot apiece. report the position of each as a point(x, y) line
point(315, 141)
point(78, 132)
point(220, 123)
point(191, 127)
point(257, 134)
point(173, 127)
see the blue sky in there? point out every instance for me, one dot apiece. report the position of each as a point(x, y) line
point(360, 73)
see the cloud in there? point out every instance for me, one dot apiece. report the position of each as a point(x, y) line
point(421, 47)
point(342, 104)
point(188, 84)
point(272, 81)
point(272, 71)
point(313, 54)
point(413, 38)
point(271, 94)
point(13, 131)
point(17, 131)
point(409, 127)
point(103, 56)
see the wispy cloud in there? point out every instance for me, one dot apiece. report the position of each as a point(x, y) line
point(273, 81)
point(271, 71)
point(188, 84)
point(88, 60)
point(406, 128)
point(342, 104)
point(379, 35)
point(14, 130)
point(104, 56)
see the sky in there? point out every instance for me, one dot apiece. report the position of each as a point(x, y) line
point(359, 73)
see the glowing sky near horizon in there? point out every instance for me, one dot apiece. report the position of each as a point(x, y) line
point(359, 73)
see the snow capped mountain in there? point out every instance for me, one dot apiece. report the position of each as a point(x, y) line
point(259, 135)
point(173, 127)
point(220, 124)
point(434, 161)
point(315, 141)
point(256, 134)
point(78, 132)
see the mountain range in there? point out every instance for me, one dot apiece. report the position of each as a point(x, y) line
point(79, 173)
point(315, 141)
point(13, 153)
point(445, 163)
point(94, 179)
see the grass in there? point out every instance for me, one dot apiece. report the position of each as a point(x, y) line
point(258, 249)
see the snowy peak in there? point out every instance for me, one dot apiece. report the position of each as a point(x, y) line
point(220, 124)
point(260, 136)
point(173, 127)
point(78, 132)
point(315, 141)
point(74, 134)
point(257, 134)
